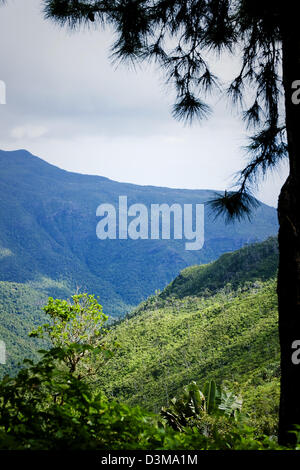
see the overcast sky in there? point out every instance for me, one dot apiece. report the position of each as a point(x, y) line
point(68, 104)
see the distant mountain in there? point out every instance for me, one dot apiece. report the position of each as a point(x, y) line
point(48, 231)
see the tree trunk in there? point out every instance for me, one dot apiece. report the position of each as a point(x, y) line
point(289, 239)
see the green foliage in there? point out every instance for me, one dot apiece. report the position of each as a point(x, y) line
point(262, 406)
point(78, 326)
point(230, 403)
point(172, 342)
point(46, 407)
point(196, 396)
point(185, 408)
point(20, 304)
point(78, 322)
point(167, 343)
point(251, 263)
point(210, 392)
point(52, 405)
point(20, 312)
point(192, 408)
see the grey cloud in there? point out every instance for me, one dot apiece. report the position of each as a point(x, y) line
point(67, 103)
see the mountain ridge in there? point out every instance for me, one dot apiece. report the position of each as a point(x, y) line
point(48, 229)
point(252, 262)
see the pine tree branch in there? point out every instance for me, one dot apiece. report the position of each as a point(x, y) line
point(146, 29)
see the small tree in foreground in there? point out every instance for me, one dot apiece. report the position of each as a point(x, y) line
point(178, 35)
point(78, 327)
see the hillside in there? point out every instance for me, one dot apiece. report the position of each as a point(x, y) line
point(169, 341)
point(176, 341)
point(48, 230)
point(21, 311)
point(255, 262)
point(172, 339)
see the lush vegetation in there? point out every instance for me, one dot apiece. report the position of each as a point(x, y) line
point(48, 407)
point(48, 230)
point(230, 336)
point(181, 371)
point(52, 405)
point(20, 311)
point(21, 303)
point(253, 262)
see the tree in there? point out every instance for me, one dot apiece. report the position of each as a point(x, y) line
point(76, 326)
point(266, 34)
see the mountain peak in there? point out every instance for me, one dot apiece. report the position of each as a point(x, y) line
point(48, 223)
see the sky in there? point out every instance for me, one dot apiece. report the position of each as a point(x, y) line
point(67, 103)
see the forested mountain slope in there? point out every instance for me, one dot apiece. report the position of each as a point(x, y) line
point(229, 334)
point(20, 311)
point(254, 262)
point(227, 331)
point(48, 229)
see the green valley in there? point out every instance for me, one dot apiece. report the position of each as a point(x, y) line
point(48, 230)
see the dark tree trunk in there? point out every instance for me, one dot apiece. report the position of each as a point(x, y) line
point(289, 239)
